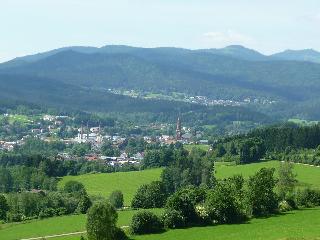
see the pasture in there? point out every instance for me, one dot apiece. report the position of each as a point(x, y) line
point(203, 147)
point(295, 225)
point(308, 176)
point(102, 184)
point(56, 225)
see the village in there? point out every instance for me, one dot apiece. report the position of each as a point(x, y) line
point(96, 137)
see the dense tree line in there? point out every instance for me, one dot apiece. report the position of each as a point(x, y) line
point(20, 206)
point(284, 142)
point(21, 178)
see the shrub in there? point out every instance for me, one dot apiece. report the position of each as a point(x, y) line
point(308, 198)
point(120, 234)
point(260, 196)
point(173, 219)
point(203, 214)
point(73, 187)
point(101, 222)
point(4, 207)
point(223, 203)
point(145, 222)
point(151, 195)
point(116, 199)
point(61, 211)
point(284, 206)
point(84, 202)
point(47, 212)
point(15, 217)
point(185, 201)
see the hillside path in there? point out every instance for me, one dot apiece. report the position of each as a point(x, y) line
point(60, 235)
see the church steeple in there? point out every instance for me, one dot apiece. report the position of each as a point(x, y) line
point(178, 130)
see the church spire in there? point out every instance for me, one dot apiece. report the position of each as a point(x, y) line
point(178, 130)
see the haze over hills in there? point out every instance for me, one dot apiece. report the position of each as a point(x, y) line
point(232, 73)
point(307, 55)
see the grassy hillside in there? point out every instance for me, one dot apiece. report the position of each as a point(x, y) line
point(128, 182)
point(306, 175)
point(103, 184)
point(56, 225)
point(297, 225)
point(200, 146)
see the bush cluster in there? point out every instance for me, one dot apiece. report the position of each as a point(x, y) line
point(145, 222)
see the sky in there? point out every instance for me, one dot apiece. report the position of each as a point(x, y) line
point(32, 26)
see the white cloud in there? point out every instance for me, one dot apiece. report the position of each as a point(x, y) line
point(314, 18)
point(230, 37)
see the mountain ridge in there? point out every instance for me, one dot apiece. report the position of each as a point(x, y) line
point(236, 51)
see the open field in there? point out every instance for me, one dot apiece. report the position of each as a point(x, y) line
point(56, 225)
point(104, 183)
point(302, 122)
point(306, 175)
point(302, 225)
point(200, 146)
point(296, 225)
point(22, 119)
point(128, 182)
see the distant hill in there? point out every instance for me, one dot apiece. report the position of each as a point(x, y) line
point(239, 52)
point(233, 73)
point(44, 92)
point(308, 55)
point(166, 69)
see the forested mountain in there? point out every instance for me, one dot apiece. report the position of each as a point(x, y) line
point(237, 51)
point(232, 73)
point(21, 90)
point(308, 55)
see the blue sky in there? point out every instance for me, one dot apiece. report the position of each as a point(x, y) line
point(31, 26)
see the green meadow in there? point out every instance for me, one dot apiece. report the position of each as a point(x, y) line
point(308, 176)
point(301, 224)
point(200, 146)
point(102, 184)
point(56, 225)
point(295, 225)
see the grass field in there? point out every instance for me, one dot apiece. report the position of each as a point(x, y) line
point(128, 182)
point(56, 225)
point(104, 183)
point(295, 225)
point(302, 225)
point(302, 122)
point(306, 175)
point(200, 146)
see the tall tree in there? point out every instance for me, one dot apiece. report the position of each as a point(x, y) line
point(261, 198)
point(4, 207)
point(287, 180)
point(101, 222)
